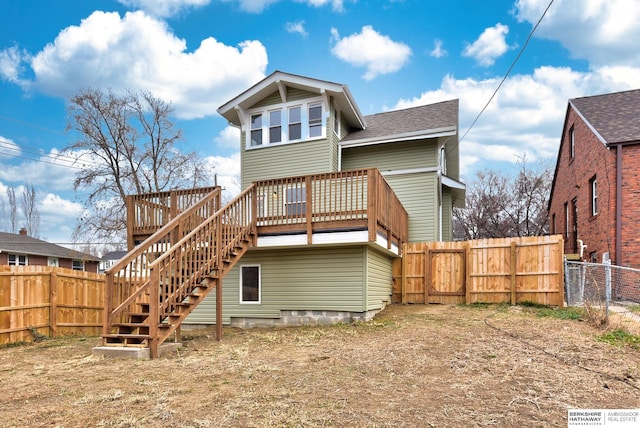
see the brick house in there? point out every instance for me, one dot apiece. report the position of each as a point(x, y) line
point(596, 185)
point(23, 250)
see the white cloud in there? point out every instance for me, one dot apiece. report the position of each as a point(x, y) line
point(55, 205)
point(227, 170)
point(602, 32)
point(140, 52)
point(490, 45)
point(164, 8)
point(296, 27)
point(336, 5)
point(438, 51)
point(525, 117)
point(370, 49)
point(229, 137)
point(258, 6)
point(11, 60)
point(8, 148)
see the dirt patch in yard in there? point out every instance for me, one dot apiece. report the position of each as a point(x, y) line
point(412, 366)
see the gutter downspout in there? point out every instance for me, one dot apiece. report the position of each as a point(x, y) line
point(618, 259)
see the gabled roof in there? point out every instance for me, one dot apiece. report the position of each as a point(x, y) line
point(410, 123)
point(614, 118)
point(280, 81)
point(23, 244)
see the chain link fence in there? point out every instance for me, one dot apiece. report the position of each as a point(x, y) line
point(610, 294)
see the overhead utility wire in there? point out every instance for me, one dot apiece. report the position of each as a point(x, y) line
point(24, 151)
point(508, 71)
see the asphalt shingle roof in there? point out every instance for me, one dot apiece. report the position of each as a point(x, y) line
point(410, 120)
point(23, 244)
point(615, 116)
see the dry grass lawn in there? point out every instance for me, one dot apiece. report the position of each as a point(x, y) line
point(412, 366)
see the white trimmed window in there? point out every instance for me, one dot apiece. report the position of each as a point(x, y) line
point(77, 265)
point(53, 261)
point(296, 203)
point(572, 143)
point(336, 122)
point(250, 284)
point(18, 260)
point(315, 120)
point(275, 126)
point(593, 185)
point(290, 122)
point(256, 129)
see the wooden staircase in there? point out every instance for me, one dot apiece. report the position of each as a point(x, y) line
point(152, 290)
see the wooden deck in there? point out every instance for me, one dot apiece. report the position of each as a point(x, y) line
point(331, 202)
point(186, 251)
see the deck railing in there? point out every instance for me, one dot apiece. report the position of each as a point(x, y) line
point(148, 212)
point(356, 200)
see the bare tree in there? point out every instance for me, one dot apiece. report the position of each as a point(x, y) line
point(13, 210)
point(130, 145)
point(30, 211)
point(499, 206)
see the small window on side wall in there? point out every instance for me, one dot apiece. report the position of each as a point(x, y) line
point(593, 186)
point(572, 143)
point(250, 284)
point(77, 265)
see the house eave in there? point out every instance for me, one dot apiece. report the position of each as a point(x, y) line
point(406, 136)
point(278, 81)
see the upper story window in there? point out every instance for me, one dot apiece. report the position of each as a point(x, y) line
point(18, 260)
point(572, 143)
point(256, 129)
point(593, 186)
point(295, 123)
point(443, 160)
point(336, 121)
point(275, 126)
point(289, 122)
point(315, 120)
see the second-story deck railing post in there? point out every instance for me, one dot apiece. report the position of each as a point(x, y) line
point(372, 196)
point(309, 208)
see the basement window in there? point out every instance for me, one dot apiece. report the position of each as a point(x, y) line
point(250, 284)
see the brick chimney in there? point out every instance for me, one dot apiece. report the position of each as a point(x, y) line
point(23, 231)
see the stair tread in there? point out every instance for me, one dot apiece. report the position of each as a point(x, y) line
point(126, 336)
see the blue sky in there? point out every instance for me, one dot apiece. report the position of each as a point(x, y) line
point(390, 53)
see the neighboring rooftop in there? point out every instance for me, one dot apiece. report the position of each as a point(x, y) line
point(23, 244)
point(616, 116)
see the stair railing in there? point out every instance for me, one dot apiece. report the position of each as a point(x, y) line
point(127, 281)
point(206, 251)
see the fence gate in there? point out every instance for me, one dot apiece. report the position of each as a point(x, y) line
point(509, 270)
point(446, 279)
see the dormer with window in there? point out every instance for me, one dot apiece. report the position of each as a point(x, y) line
point(291, 125)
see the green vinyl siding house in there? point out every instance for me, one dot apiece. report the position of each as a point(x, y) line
point(311, 153)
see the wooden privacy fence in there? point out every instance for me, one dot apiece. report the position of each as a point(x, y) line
point(509, 270)
point(42, 300)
